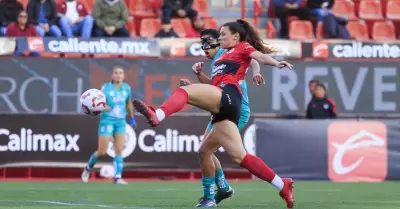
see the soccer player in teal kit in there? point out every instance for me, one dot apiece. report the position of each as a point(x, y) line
point(113, 123)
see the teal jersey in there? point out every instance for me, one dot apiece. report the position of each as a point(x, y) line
point(243, 84)
point(116, 100)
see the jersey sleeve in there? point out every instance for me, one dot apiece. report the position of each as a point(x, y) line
point(246, 49)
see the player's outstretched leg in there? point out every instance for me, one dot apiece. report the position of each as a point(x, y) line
point(230, 140)
point(224, 191)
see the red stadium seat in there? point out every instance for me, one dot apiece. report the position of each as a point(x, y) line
point(142, 8)
point(179, 26)
point(345, 8)
point(301, 30)
point(130, 26)
point(393, 10)
point(202, 7)
point(149, 27)
point(358, 30)
point(291, 18)
point(24, 3)
point(371, 10)
point(383, 31)
point(270, 30)
point(320, 31)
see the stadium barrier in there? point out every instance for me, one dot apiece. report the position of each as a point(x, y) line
point(34, 142)
point(53, 86)
point(335, 150)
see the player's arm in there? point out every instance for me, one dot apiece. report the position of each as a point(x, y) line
point(198, 71)
point(203, 78)
point(257, 77)
point(268, 60)
point(129, 109)
point(103, 89)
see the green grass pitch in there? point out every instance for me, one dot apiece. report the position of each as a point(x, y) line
point(180, 195)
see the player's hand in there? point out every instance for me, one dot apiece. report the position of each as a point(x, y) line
point(184, 82)
point(283, 64)
point(258, 79)
point(197, 68)
point(107, 108)
point(132, 121)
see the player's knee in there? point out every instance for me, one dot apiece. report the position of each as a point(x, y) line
point(237, 159)
point(203, 152)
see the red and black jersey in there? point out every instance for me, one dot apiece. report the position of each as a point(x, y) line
point(231, 66)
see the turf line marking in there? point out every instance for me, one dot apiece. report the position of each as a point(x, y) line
point(72, 204)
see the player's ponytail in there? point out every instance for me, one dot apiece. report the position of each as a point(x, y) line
point(249, 34)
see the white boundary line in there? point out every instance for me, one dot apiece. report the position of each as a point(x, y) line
point(71, 204)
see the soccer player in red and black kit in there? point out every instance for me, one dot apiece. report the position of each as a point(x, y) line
point(223, 99)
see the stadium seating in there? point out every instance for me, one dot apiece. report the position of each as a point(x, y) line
point(149, 27)
point(393, 10)
point(371, 10)
point(24, 2)
point(320, 31)
point(345, 8)
point(202, 7)
point(301, 30)
point(179, 26)
point(130, 26)
point(143, 8)
point(358, 30)
point(270, 30)
point(383, 31)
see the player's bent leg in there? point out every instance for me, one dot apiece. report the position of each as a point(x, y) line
point(94, 158)
point(204, 96)
point(206, 151)
point(230, 140)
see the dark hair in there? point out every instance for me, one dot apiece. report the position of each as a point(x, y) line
point(314, 81)
point(248, 33)
point(212, 32)
point(117, 67)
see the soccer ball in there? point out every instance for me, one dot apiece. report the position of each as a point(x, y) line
point(107, 171)
point(93, 102)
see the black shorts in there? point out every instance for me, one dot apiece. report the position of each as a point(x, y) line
point(231, 103)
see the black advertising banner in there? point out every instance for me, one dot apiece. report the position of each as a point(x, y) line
point(36, 140)
point(123, 46)
point(336, 150)
point(52, 86)
point(352, 50)
point(192, 48)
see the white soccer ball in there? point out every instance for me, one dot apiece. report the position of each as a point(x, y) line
point(107, 171)
point(93, 102)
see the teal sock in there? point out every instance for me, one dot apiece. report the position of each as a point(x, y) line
point(220, 181)
point(118, 165)
point(208, 187)
point(92, 161)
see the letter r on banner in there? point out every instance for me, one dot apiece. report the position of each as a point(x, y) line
point(357, 151)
